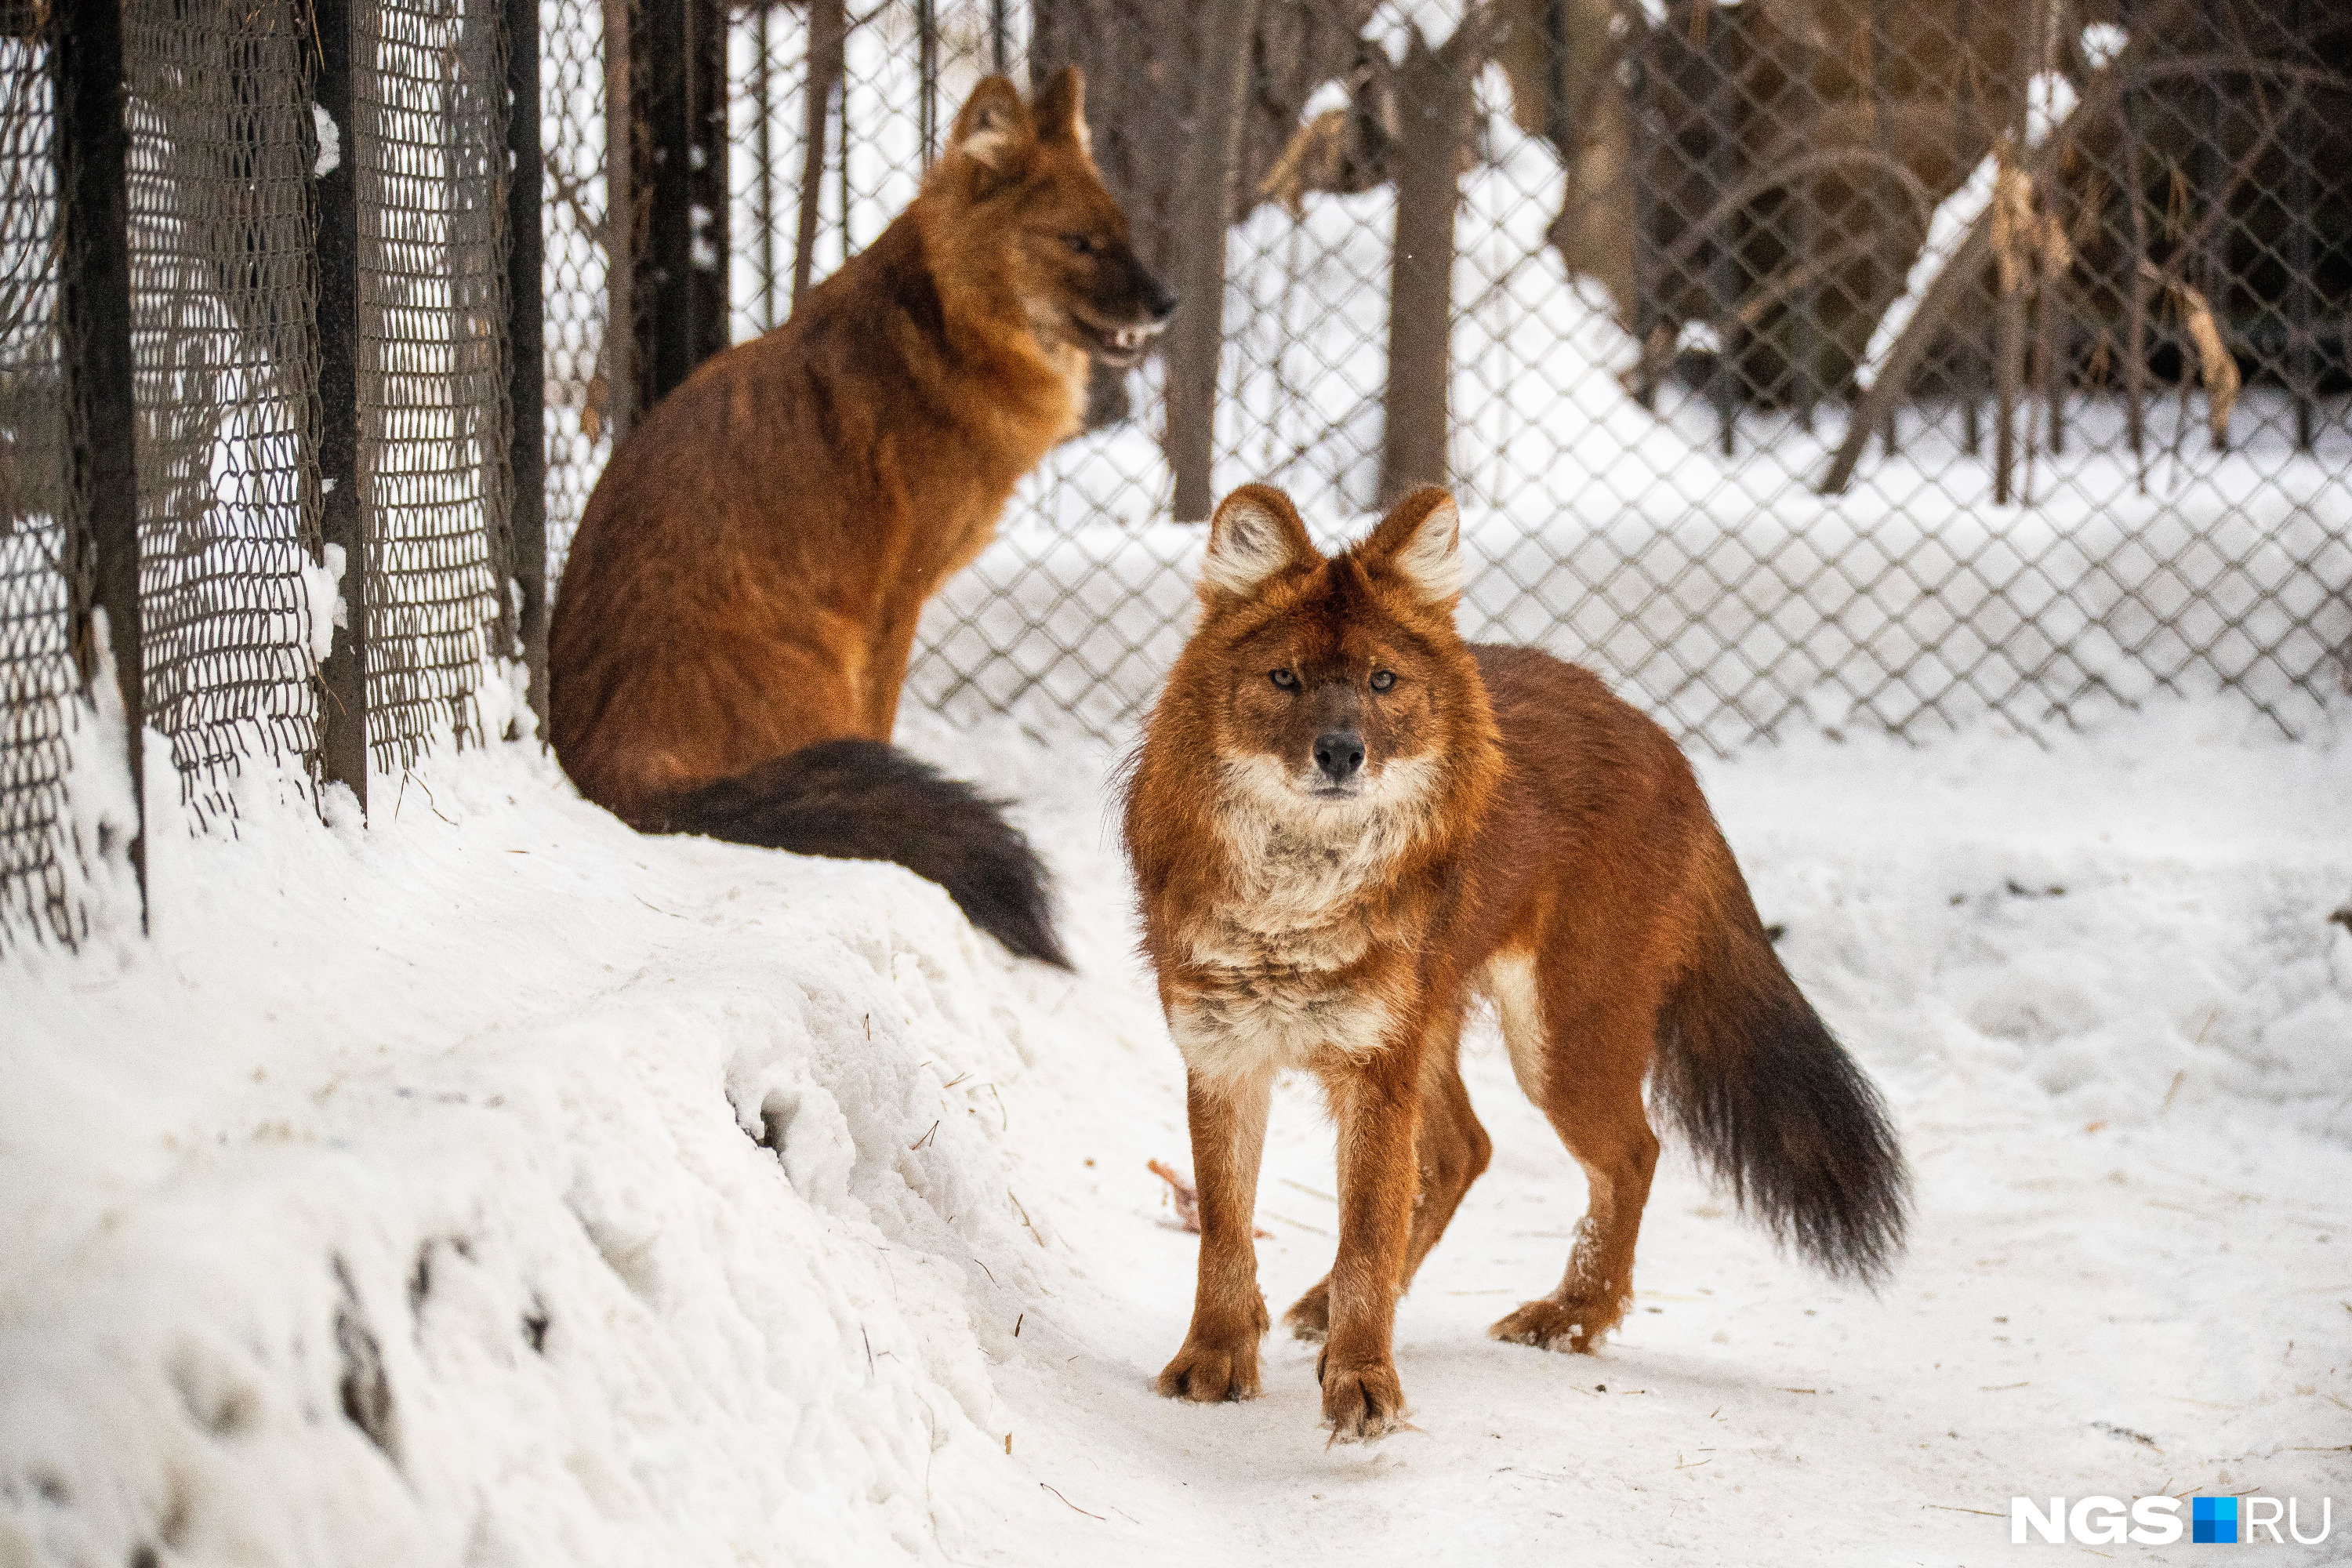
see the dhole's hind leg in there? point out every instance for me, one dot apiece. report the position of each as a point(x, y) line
point(1591, 1088)
point(1452, 1151)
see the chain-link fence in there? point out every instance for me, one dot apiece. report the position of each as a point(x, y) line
point(223, 298)
point(432, 367)
point(295, 185)
point(36, 667)
point(1821, 362)
point(1839, 359)
point(581, 241)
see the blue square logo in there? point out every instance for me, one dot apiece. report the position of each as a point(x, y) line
point(2214, 1519)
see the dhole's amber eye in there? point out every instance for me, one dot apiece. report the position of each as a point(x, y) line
point(1079, 244)
point(1284, 678)
point(1382, 680)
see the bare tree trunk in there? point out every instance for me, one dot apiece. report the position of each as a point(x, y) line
point(1434, 101)
point(1203, 206)
point(828, 38)
point(1152, 66)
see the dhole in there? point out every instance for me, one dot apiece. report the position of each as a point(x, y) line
point(1346, 823)
point(739, 605)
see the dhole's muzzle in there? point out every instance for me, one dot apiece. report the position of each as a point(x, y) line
point(1132, 307)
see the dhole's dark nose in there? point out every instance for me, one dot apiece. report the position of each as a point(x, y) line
point(1158, 299)
point(1340, 753)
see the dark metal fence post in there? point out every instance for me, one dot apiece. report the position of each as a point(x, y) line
point(526, 326)
point(1882, 276)
point(1971, 334)
point(927, 57)
point(621, 353)
point(841, 139)
point(93, 151)
point(2302, 371)
point(1724, 100)
point(2212, 176)
point(684, 114)
point(2134, 287)
point(343, 521)
point(764, 190)
point(1645, 166)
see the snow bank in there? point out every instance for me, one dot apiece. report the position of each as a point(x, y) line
point(492, 1185)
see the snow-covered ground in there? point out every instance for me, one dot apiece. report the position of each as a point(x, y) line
point(492, 1185)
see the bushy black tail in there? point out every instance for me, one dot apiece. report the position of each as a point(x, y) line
point(1774, 1105)
point(863, 800)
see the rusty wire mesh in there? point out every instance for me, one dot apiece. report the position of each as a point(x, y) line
point(223, 292)
point(1689, 238)
point(432, 384)
point(37, 711)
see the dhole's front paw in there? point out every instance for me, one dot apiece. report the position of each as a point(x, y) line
point(1363, 1402)
point(1206, 1373)
point(1554, 1326)
point(1311, 1316)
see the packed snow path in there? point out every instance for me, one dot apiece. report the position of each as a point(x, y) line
point(494, 1186)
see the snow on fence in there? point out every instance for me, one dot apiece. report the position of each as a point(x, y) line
point(1807, 363)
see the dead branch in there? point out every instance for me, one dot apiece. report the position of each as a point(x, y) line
point(1180, 1191)
point(1787, 172)
point(1794, 279)
point(2100, 98)
point(2217, 367)
point(1342, 151)
point(2030, 250)
point(1187, 1201)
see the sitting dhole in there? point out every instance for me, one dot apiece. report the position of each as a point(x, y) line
point(1346, 823)
point(738, 606)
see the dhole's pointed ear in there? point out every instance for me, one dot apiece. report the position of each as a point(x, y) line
point(1256, 535)
point(995, 122)
point(1060, 111)
point(1420, 541)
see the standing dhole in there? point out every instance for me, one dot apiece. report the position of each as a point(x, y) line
point(736, 617)
point(1346, 823)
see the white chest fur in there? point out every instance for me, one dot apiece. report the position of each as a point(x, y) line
point(1269, 985)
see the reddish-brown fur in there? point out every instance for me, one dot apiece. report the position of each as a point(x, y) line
point(1518, 832)
point(748, 576)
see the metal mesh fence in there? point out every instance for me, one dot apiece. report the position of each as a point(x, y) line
point(223, 298)
point(1821, 362)
point(573, 62)
point(36, 671)
point(2037, 252)
point(224, 398)
point(433, 382)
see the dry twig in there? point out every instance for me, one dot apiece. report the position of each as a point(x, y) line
point(1187, 1201)
point(2217, 368)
